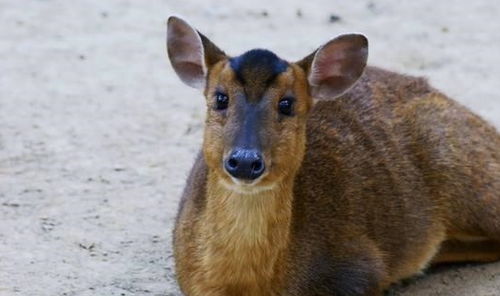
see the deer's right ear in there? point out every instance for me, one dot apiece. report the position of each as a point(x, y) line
point(191, 54)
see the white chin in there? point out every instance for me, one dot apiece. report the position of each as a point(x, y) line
point(246, 187)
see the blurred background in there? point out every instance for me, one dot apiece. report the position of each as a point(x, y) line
point(97, 134)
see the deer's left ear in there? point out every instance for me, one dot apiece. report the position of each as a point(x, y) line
point(336, 66)
point(190, 52)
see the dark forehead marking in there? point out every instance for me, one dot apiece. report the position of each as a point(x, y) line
point(256, 69)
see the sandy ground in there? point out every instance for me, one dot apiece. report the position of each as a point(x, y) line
point(97, 134)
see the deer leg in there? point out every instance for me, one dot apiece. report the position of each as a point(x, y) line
point(484, 250)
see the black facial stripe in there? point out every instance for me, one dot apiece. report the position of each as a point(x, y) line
point(256, 70)
point(247, 134)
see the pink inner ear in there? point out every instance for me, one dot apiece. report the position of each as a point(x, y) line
point(337, 65)
point(329, 62)
point(192, 74)
point(185, 50)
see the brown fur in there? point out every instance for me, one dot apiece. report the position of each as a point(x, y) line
point(361, 196)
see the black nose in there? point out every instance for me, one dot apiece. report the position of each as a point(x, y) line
point(245, 164)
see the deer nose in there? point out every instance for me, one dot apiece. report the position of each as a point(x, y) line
point(245, 164)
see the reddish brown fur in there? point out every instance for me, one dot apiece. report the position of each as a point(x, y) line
point(361, 196)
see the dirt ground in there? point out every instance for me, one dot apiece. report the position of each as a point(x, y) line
point(97, 134)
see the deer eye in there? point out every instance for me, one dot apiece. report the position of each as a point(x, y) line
point(285, 106)
point(221, 101)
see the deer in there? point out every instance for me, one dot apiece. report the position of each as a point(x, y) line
point(326, 176)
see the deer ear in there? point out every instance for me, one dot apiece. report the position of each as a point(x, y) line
point(191, 54)
point(336, 66)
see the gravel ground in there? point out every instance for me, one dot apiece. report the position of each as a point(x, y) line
point(97, 134)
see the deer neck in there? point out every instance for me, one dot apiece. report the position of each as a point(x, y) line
point(245, 234)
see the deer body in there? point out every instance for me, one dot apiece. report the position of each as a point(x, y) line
point(373, 187)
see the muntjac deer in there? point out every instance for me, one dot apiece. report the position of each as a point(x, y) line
point(327, 177)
